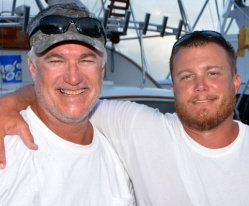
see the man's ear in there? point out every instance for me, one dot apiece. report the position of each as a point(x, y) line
point(237, 82)
point(103, 72)
point(32, 69)
point(172, 88)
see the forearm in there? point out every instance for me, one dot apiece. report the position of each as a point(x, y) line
point(19, 99)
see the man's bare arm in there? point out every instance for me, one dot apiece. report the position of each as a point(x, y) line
point(11, 122)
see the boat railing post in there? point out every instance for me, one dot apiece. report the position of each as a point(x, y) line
point(26, 18)
point(105, 19)
point(142, 59)
point(184, 16)
point(139, 37)
point(13, 7)
point(126, 23)
point(164, 24)
point(146, 23)
point(179, 30)
point(39, 4)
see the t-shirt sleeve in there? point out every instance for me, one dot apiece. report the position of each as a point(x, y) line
point(15, 153)
point(114, 118)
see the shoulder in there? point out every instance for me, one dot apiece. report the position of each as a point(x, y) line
point(27, 114)
point(15, 151)
point(114, 104)
point(122, 106)
point(242, 125)
point(244, 128)
point(14, 146)
point(133, 109)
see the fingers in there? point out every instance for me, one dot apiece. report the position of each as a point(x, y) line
point(26, 136)
point(22, 129)
point(2, 152)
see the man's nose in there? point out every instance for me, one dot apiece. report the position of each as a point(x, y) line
point(201, 84)
point(73, 75)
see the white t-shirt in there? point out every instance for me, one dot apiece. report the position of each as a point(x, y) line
point(62, 173)
point(166, 166)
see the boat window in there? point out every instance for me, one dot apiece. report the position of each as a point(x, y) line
point(163, 106)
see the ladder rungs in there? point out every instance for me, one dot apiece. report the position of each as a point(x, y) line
point(117, 7)
point(123, 1)
point(118, 15)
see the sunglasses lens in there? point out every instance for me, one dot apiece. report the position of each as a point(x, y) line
point(212, 34)
point(182, 39)
point(53, 25)
point(89, 27)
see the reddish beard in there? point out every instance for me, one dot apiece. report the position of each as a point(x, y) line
point(202, 121)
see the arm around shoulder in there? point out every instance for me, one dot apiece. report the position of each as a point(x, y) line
point(114, 118)
point(11, 122)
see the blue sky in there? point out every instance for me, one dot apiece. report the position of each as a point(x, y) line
point(158, 49)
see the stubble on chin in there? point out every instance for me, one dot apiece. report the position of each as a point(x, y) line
point(201, 120)
point(47, 102)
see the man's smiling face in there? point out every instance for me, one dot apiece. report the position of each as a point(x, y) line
point(203, 86)
point(68, 81)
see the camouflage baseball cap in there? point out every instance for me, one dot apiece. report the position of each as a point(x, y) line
point(42, 41)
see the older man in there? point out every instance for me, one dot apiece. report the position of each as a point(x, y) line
point(75, 164)
point(198, 156)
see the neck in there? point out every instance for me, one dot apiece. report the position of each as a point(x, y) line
point(78, 133)
point(219, 137)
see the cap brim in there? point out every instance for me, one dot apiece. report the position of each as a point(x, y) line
point(50, 40)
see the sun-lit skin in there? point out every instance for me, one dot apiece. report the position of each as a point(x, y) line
point(68, 82)
point(204, 88)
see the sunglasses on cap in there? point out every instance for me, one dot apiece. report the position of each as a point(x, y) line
point(57, 24)
point(207, 33)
